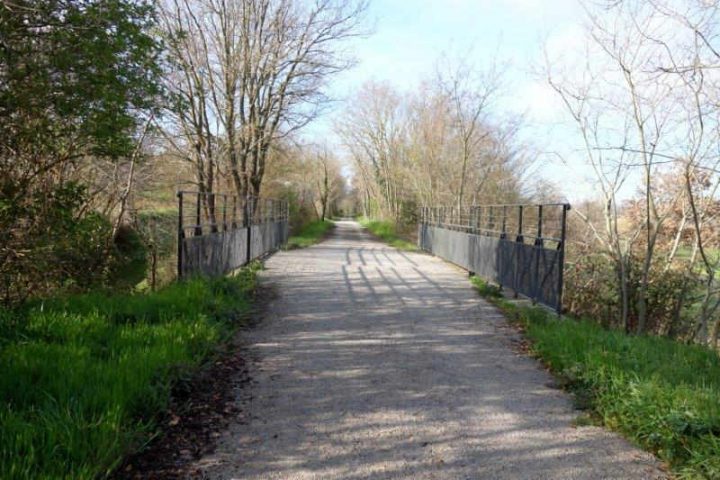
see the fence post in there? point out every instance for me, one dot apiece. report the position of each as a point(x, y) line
point(561, 253)
point(225, 213)
point(503, 233)
point(212, 212)
point(248, 225)
point(537, 251)
point(234, 215)
point(503, 246)
point(198, 216)
point(181, 235)
point(519, 237)
point(517, 248)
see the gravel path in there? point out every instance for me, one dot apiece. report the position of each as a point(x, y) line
point(374, 363)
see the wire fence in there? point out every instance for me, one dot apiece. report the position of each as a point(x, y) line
point(521, 247)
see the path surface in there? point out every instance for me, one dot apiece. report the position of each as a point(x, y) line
point(374, 363)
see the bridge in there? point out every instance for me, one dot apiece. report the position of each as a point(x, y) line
point(374, 363)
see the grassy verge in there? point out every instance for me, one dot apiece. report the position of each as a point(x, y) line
point(83, 378)
point(663, 395)
point(310, 234)
point(387, 232)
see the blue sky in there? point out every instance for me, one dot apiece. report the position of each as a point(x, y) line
point(410, 36)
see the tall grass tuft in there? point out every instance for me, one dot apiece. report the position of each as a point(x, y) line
point(83, 377)
point(663, 395)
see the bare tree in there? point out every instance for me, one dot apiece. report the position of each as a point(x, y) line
point(373, 128)
point(328, 181)
point(469, 94)
point(440, 145)
point(643, 107)
point(248, 73)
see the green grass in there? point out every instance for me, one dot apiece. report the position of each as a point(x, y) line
point(310, 234)
point(387, 232)
point(663, 395)
point(83, 378)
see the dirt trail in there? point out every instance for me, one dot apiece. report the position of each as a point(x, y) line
point(374, 363)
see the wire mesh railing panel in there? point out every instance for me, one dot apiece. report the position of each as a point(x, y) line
point(219, 232)
point(521, 247)
point(532, 222)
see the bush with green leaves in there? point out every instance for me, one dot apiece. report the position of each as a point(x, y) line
point(60, 246)
point(77, 78)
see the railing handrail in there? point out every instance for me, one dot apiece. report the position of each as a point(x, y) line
point(222, 213)
point(567, 205)
point(531, 220)
point(511, 224)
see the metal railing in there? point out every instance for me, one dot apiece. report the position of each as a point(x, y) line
point(202, 214)
point(532, 222)
point(517, 246)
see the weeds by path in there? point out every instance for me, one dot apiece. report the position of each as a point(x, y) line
point(84, 377)
point(310, 234)
point(387, 232)
point(663, 395)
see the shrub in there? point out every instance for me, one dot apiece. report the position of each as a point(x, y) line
point(128, 259)
point(53, 243)
point(591, 291)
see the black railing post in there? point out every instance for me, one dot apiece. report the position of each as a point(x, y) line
point(234, 214)
point(537, 251)
point(212, 212)
point(517, 248)
point(181, 235)
point(225, 213)
point(503, 246)
point(248, 225)
point(503, 233)
point(198, 215)
point(561, 253)
point(519, 237)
